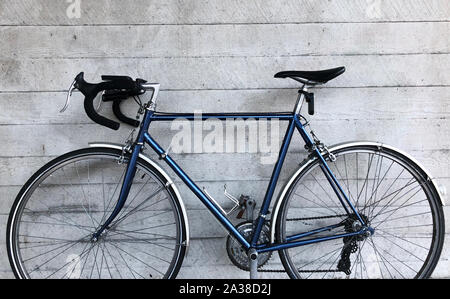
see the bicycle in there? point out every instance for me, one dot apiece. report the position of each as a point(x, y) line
point(357, 209)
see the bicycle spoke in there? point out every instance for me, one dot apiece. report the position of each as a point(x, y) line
point(143, 241)
point(403, 239)
point(106, 261)
point(396, 192)
point(50, 259)
point(94, 264)
point(146, 264)
point(366, 181)
point(345, 181)
point(59, 269)
point(379, 258)
point(44, 253)
point(145, 218)
point(323, 189)
point(119, 182)
point(361, 261)
point(403, 206)
point(126, 264)
point(134, 210)
point(395, 210)
point(69, 222)
point(84, 195)
point(115, 265)
point(332, 265)
point(134, 197)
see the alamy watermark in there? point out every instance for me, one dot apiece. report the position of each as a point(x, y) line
point(230, 136)
point(73, 11)
point(373, 10)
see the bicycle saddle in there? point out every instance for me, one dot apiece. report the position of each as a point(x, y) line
point(314, 77)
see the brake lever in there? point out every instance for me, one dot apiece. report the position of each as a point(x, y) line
point(69, 94)
point(100, 102)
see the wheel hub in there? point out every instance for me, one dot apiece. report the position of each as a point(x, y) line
point(352, 225)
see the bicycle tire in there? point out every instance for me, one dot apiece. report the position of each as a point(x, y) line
point(303, 269)
point(115, 155)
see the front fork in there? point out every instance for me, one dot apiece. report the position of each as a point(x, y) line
point(124, 191)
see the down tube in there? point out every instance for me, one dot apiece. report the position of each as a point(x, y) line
point(196, 190)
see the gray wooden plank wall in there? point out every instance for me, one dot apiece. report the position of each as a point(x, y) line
point(221, 55)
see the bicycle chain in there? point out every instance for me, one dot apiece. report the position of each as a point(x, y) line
point(316, 218)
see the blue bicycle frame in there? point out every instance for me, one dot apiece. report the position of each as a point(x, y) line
point(294, 122)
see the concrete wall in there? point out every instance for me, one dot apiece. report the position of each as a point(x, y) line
point(221, 55)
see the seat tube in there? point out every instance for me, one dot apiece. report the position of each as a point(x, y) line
point(273, 182)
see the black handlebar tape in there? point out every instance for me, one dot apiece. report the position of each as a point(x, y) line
point(90, 91)
point(110, 96)
point(120, 116)
point(117, 96)
point(111, 78)
point(116, 88)
point(101, 120)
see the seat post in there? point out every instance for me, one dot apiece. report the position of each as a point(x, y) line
point(300, 99)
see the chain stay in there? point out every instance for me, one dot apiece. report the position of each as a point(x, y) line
point(300, 270)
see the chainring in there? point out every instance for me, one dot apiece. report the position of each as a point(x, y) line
point(238, 254)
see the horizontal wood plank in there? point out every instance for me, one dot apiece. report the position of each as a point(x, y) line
point(224, 40)
point(337, 104)
point(254, 188)
point(48, 12)
point(216, 167)
point(228, 72)
point(52, 140)
point(202, 224)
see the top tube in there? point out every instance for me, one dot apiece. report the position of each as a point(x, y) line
point(167, 116)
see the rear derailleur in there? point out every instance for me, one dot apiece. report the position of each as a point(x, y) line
point(351, 243)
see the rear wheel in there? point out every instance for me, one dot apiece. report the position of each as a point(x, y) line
point(390, 192)
point(58, 210)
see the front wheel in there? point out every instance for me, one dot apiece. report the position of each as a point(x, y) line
point(392, 194)
point(52, 222)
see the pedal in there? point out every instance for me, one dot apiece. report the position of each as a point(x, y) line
point(240, 214)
